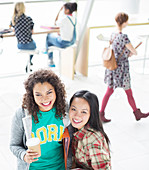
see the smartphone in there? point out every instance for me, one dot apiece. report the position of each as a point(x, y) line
point(138, 45)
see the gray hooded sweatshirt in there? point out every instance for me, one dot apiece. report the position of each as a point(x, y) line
point(18, 137)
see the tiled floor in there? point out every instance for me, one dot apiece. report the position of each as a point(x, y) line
point(129, 138)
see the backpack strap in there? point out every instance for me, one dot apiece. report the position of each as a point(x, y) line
point(74, 30)
point(71, 21)
point(111, 41)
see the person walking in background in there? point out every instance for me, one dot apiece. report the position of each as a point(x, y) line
point(90, 144)
point(67, 25)
point(23, 27)
point(120, 77)
point(44, 103)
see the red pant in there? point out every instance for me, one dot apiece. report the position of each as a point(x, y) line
point(109, 92)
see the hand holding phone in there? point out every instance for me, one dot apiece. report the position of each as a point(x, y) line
point(135, 48)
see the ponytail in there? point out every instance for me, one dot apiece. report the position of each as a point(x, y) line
point(71, 6)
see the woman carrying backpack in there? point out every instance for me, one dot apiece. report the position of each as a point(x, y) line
point(120, 77)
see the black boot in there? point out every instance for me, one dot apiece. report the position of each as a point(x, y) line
point(138, 114)
point(26, 69)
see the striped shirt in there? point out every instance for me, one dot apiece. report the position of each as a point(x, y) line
point(90, 150)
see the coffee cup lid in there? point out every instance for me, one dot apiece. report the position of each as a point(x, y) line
point(33, 141)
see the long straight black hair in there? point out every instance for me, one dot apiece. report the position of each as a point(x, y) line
point(94, 121)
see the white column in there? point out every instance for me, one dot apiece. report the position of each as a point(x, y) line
point(87, 11)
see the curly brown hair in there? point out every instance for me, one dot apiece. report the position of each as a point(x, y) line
point(121, 18)
point(41, 76)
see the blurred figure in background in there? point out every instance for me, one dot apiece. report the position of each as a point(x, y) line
point(23, 27)
point(120, 77)
point(67, 25)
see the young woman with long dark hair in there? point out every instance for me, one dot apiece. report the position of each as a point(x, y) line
point(90, 144)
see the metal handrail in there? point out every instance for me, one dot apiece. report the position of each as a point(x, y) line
point(132, 24)
point(110, 26)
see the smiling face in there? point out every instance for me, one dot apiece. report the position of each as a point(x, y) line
point(44, 96)
point(79, 112)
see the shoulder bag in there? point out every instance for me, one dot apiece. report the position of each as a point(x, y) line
point(108, 57)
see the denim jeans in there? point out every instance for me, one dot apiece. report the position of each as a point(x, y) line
point(28, 46)
point(54, 40)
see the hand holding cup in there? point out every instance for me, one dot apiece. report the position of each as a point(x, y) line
point(31, 156)
point(34, 150)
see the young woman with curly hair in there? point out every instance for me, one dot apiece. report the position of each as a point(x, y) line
point(43, 109)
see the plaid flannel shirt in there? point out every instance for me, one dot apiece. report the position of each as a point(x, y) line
point(90, 150)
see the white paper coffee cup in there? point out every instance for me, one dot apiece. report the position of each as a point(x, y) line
point(34, 145)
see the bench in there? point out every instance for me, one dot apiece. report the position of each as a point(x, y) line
point(66, 60)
